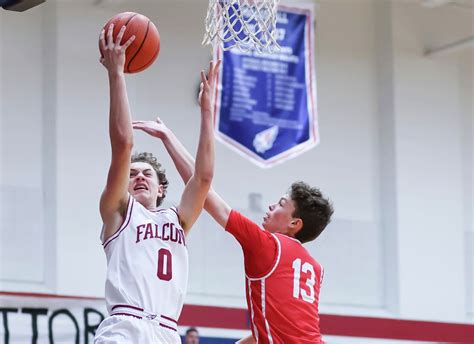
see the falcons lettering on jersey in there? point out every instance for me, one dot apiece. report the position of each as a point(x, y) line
point(167, 232)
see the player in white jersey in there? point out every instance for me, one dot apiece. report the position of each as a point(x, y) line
point(147, 260)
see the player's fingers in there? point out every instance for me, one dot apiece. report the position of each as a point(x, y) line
point(158, 120)
point(213, 72)
point(216, 67)
point(102, 40)
point(110, 38)
point(127, 44)
point(203, 79)
point(210, 73)
point(120, 35)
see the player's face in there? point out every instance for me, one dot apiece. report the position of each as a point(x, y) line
point(143, 184)
point(279, 215)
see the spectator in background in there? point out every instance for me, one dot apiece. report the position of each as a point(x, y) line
point(192, 336)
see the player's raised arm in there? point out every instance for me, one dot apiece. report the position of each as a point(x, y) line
point(196, 189)
point(184, 162)
point(114, 198)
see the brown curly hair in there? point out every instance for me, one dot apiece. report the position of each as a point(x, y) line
point(160, 171)
point(313, 208)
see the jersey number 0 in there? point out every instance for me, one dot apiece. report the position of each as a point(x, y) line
point(165, 270)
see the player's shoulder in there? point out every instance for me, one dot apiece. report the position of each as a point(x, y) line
point(236, 215)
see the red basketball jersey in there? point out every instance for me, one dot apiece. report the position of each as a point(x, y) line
point(282, 284)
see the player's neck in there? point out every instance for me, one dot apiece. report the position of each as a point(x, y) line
point(150, 206)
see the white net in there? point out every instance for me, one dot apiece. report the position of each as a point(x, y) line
point(246, 24)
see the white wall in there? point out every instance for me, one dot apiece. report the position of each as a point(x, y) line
point(429, 128)
point(1, 145)
point(466, 77)
point(392, 156)
point(25, 240)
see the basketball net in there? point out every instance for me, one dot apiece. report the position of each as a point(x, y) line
point(246, 24)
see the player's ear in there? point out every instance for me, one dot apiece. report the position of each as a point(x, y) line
point(161, 189)
point(296, 224)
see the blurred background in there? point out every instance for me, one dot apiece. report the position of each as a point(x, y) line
point(396, 157)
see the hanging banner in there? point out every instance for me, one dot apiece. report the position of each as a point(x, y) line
point(266, 103)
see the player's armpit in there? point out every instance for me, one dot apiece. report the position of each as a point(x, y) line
point(112, 225)
point(115, 196)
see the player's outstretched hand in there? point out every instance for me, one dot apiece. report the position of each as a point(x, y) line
point(207, 85)
point(114, 52)
point(154, 128)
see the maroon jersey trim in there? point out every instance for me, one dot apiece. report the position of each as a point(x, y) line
point(126, 221)
point(277, 261)
point(128, 315)
point(170, 319)
point(175, 210)
point(127, 306)
point(168, 327)
point(157, 211)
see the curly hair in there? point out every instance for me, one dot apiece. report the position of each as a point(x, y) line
point(313, 208)
point(160, 171)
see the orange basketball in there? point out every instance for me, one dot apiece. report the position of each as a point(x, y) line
point(144, 49)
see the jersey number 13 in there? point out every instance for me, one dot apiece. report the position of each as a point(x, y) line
point(306, 294)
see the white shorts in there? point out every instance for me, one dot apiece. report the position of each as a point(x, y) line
point(126, 329)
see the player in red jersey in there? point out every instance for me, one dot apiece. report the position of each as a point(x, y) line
point(282, 279)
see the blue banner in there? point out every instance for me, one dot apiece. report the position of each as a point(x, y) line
point(266, 103)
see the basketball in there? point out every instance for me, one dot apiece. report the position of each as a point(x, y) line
point(144, 49)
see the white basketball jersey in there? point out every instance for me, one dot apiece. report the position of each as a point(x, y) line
point(147, 263)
